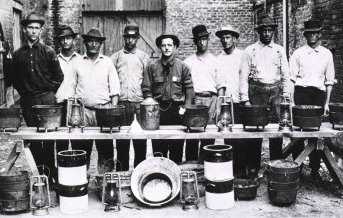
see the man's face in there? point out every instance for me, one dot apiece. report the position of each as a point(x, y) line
point(130, 42)
point(312, 38)
point(228, 41)
point(266, 34)
point(201, 44)
point(93, 46)
point(167, 47)
point(33, 31)
point(66, 42)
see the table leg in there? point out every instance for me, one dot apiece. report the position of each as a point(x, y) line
point(308, 149)
point(332, 165)
point(287, 150)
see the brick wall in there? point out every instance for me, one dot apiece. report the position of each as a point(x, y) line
point(330, 12)
point(182, 15)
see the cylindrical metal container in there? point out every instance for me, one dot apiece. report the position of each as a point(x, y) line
point(10, 118)
point(150, 114)
point(219, 195)
point(218, 162)
point(48, 117)
point(72, 179)
point(14, 192)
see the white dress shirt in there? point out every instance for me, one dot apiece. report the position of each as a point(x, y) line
point(312, 67)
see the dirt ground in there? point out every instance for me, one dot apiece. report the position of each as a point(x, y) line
point(316, 198)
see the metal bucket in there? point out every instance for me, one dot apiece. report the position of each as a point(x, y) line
point(195, 116)
point(14, 192)
point(48, 117)
point(150, 114)
point(110, 117)
point(73, 183)
point(10, 118)
point(161, 175)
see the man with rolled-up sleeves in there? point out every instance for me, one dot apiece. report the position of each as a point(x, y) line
point(168, 81)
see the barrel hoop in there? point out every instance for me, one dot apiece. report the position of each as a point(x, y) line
point(219, 187)
point(73, 191)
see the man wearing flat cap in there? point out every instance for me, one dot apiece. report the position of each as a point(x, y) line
point(207, 82)
point(36, 74)
point(313, 75)
point(130, 63)
point(229, 61)
point(97, 84)
point(168, 80)
point(264, 79)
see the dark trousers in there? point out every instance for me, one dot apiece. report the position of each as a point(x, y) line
point(169, 115)
point(42, 151)
point(123, 145)
point(308, 96)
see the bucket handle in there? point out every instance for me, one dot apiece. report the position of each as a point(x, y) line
point(158, 154)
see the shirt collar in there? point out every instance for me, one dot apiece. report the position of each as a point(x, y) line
point(316, 49)
point(85, 57)
point(133, 51)
point(169, 62)
point(270, 45)
point(34, 45)
point(67, 59)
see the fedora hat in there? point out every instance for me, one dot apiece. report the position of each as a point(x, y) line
point(265, 21)
point(64, 31)
point(94, 33)
point(175, 39)
point(200, 31)
point(33, 18)
point(312, 26)
point(228, 29)
point(131, 30)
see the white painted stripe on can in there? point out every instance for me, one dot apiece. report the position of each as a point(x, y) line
point(218, 171)
point(219, 201)
point(72, 175)
point(74, 205)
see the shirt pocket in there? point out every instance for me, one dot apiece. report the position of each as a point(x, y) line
point(157, 87)
point(176, 87)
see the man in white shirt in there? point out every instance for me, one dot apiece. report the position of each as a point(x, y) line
point(207, 84)
point(264, 79)
point(313, 74)
point(98, 85)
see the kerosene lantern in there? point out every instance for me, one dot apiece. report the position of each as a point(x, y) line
point(189, 194)
point(225, 120)
point(39, 195)
point(75, 113)
point(285, 121)
point(111, 192)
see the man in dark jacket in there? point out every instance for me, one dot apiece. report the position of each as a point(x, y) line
point(36, 74)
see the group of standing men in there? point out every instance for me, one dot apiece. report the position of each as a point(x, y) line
point(258, 75)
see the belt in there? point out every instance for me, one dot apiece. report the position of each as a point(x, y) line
point(266, 85)
point(205, 94)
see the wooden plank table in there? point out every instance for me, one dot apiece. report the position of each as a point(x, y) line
point(179, 132)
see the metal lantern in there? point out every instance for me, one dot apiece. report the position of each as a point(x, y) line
point(75, 113)
point(189, 193)
point(285, 120)
point(111, 192)
point(225, 120)
point(39, 195)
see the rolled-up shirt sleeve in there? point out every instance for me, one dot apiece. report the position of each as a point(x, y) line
point(244, 77)
point(330, 72)
point(187, 77)
point(113, 81)
point(147, 83)
point(293, 67)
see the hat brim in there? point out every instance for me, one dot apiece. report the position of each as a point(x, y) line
point(26, 22)
point(312, 30)
point(165, 36)
point(220, 33)
point(85, 37)
point(266, 25)
point(201, 35)
point(65, 35)
point(136, 34)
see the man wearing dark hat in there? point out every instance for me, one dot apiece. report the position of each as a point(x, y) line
point(264, 79)
point(97, 83)
point(313, 74)
point(168, 80)
point(207, 82)
point(36, 74)
point(130, 63)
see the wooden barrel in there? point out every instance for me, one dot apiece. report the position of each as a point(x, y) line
point(14, 192)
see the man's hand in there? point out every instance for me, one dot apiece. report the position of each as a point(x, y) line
point(218, 110)
point(182, 110)
point(247, 103)
point(326, 110)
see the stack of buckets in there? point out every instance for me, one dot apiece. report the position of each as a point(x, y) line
point(72, 179)
point(283, 182)
point(219, 194)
